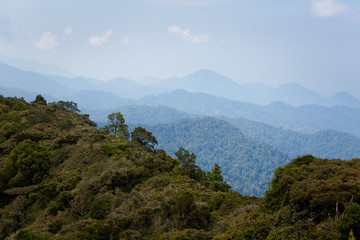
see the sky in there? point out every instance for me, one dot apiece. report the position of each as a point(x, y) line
point(315, 43)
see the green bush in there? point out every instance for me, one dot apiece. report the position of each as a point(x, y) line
point(101, 206)
point(21, 136)
point(27, 164)
point(27, 235)
point(187, 234)
point(350, 222)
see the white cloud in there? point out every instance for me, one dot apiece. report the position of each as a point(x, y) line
point(326, 8)
point(100, 40)
point(47, 42)
point(187, 36)
point(68, 31)
point(125, 40)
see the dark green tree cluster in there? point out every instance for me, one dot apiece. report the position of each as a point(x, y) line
point(213, 179)
point(39, 100)
point(310, 198)
point(116, 125)
point(189, 167)
point(68, 105)
point(144, 138)
point(27, 164)
point(216, 182)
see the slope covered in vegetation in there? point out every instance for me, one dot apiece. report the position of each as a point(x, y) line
point(247, 164)
point(310, 198)
point(61, 178)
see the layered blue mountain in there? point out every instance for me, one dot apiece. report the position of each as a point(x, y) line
point(307, 118)
point(35, 66)
point(207, 81)
point(14, 78)
point(203, 81)
point(323, 144)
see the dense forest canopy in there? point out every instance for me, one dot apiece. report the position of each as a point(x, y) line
point(61, 178)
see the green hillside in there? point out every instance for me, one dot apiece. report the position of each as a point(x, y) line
point(310, 198)
point(61, 178)
point(247, 164)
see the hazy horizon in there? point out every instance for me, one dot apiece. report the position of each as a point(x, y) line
point(315, 43)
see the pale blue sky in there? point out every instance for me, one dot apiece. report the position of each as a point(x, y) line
point(313, 42)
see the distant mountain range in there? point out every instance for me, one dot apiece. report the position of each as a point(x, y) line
point(307, 118)
point(34, 66)
point(25, 77)
point(206, 81)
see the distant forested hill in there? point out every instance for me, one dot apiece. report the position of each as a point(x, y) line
point(136, 114)
point(307, 118)
point(247, 164)
point(324, 143)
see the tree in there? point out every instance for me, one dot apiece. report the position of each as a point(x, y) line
point(27, 164)
point(216, 180)
point(39, 100)
point(116, 125)
point(185, 158)
point(189, 167)
point(71, 106)
point(145, 138)
point(350, 222)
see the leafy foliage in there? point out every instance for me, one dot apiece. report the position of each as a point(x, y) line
point(39, 100)
point(68, 105)
point(189, 167)
point(116, 125)
point(216, 180)
point(87, 184)
point(27, 164)
point(144, 138)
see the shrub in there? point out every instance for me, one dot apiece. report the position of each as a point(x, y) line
point(350, 222)
point(27, 164)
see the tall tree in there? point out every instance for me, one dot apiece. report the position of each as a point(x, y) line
point(116, 125)
point(71, 106)
point(145, 138)
point(216, 179)
point(39, 100)
point(189, 167)
point(186, 159)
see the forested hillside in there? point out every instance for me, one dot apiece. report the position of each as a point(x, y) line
point(247, 164)
point(61, 178)
point(324, 143)
point(310, 198)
